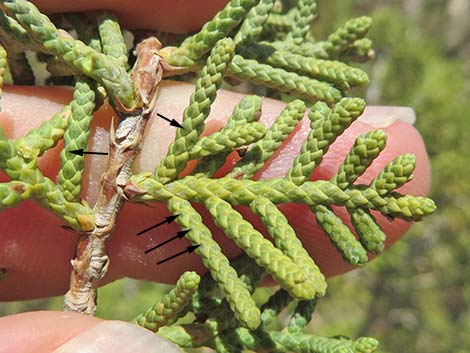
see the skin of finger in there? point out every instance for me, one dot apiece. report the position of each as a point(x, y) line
point(38, 252)
point(55, 331)
point(41, 331)
point(180, 16)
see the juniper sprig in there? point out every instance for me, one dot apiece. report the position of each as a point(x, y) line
point(172, 304)
point(249, 40)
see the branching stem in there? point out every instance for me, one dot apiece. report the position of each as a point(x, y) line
point(91, 262)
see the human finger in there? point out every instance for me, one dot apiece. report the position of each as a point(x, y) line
point(181, 16)
point(66, 332)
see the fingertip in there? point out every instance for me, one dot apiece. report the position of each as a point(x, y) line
point(117, 336)
point(41, 331)
point(66, 332)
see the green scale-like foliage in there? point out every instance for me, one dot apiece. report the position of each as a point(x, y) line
point(249, 40)
point(304, 14)
point(104, 69)
point(75, 138)
point(172, 304)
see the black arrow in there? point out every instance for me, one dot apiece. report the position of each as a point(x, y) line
point(168, 220)
point(188, 250)
point(178, 235)
point(172, 122)
point(81, 152)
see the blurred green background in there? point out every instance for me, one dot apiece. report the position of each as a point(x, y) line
point(415, 297)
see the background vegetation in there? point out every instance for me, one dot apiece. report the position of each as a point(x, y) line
point(416, 296)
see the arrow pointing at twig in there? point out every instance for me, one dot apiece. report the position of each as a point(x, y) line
point(168, 220)
point(172, 122)
point(81, 152)
point(188, 250)
point(178, 235)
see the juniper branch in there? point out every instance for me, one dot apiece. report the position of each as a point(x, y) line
point(282, 268)
point(111, 38)
point(219, 27)
point(340, 235)
point(171, 304)
point(366, 148)
point(12, 37)
point(216, 312)
point(252, 26)
point(347, 34)
point(289, 82)
point(325, 126)
point(263, 340)
point(286, 240)
point(13, 192)
point(248, 110)
point(227, 139)
point(360, 51)
point(304, 14)
point(75, 138)
point(24, 169)
point(198, 110)
point(262, 150)
point(226, 277)
point(143, 187)
point(309, 50)
point(91, 63)
point(371, 235)
point(334, 72)
point(395, 174)
point(46, 136)
point(46, 192)
point(12, 31)
point(249, 273)
point(295, 65)
point(15, 39)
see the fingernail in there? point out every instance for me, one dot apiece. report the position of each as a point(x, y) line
point(384, 116)
point(117, 336)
